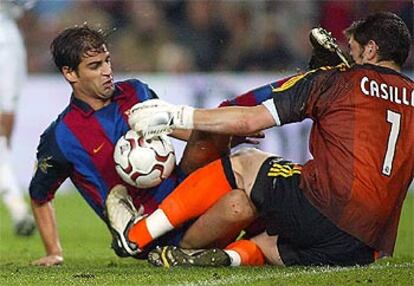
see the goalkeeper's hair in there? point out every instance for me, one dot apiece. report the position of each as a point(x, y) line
point(73, 43)
point(388, 31)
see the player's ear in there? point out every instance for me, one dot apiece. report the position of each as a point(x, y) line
point(371, 49)
point(70, 74)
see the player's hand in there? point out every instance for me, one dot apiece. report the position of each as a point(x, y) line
point(49, 260)
point(151, 117)
point(250, 139)
point(155, 117)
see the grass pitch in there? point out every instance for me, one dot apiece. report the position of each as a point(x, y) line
point(90, 261)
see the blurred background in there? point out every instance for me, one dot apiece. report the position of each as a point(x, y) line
point(200, 35)
point(190, 52)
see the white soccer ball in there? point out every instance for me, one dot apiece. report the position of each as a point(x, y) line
point(144, 163)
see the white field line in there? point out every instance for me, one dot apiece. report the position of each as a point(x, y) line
point(248, 278)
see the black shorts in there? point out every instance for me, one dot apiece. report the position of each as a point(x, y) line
point(305, 236)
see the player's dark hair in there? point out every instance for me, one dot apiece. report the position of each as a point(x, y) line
point(388, 31)
point(73, 43)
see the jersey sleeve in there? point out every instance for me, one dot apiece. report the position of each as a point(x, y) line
point(153, 94)
point(255, 96)
point(51, 171)
point(303, 96)
point(142, 90)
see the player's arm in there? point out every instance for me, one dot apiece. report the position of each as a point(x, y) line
point(181, 134)
point(155, 116)
point(158, 117)
point(46, 223)
point(290, 102)
point(51, 171)
point(244, 118)
point(233, 120)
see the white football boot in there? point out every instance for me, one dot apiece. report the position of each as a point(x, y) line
point(325, 39)
point(122, 215)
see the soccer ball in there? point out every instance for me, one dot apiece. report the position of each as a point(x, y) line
point(144, 163)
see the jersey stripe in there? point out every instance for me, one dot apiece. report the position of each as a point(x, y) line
point(125, 106)
point(255, 96)
point(136, 88)
point(83, 165)
point(89, 193)
point(96, 145)
point(113, 122)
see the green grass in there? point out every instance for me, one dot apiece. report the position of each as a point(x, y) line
point(89, 261)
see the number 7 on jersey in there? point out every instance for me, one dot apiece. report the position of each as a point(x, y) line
point(395, 119)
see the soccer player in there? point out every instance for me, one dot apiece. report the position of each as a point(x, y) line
point(79, 144)
point(13, 73)
point(340, 208)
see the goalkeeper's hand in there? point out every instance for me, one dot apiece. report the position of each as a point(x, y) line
point(155, 117)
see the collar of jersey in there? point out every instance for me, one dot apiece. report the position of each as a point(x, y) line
point(86, 109)
point(386, 70)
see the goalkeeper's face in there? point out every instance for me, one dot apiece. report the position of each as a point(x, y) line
point(362, 54)
point(94, 75)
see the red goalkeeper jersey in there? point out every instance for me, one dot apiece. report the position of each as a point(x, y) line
point(362, 141)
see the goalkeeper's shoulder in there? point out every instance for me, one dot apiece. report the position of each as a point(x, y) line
point(333, 68)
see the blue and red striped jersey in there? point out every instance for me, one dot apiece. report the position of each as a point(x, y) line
point(79, 145)
point(255, 96)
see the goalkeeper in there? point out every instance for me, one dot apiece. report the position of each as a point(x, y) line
point(340, 208)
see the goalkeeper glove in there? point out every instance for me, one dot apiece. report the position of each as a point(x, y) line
point(155, 117)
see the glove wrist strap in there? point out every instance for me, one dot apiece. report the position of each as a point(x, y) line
point(184, 117)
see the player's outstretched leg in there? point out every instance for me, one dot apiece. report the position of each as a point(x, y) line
point(122, 214)
point(170, 256)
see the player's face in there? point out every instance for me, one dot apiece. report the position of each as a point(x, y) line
point(356, 51)
point(95, 75)
point(362, 54)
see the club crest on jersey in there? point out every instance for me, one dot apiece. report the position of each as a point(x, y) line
point(43, 164)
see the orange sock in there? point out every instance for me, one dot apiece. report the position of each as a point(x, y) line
point(249, 253)
point(194, 196)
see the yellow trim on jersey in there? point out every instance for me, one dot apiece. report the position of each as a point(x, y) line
point(293, 80)
point(286, 170)
point(289, 83)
